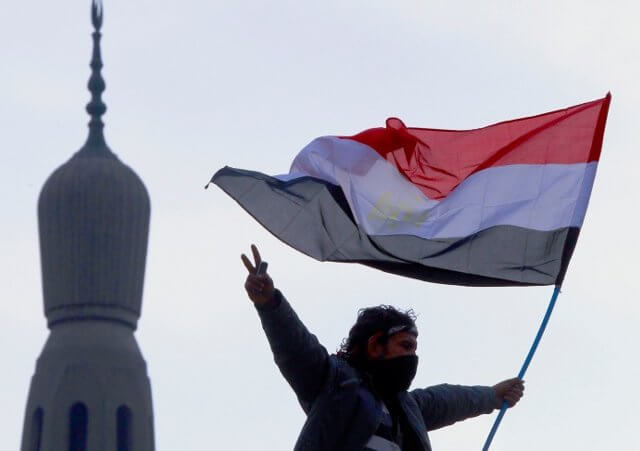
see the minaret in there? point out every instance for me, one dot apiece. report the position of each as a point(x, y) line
point(90, 390)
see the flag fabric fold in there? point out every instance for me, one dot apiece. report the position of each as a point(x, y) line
point(495, 206)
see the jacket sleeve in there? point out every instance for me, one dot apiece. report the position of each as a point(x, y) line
point(442, 405)
point(302, 360)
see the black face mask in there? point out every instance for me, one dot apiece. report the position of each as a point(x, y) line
point(391, 376)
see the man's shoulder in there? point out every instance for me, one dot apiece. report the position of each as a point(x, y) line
point(341, 364)
point(344, 372)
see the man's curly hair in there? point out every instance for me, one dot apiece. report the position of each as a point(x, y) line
point(370, 321)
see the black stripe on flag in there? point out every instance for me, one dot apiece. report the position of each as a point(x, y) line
point(314, 217)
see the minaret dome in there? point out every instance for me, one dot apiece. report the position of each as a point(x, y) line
point(93, 215)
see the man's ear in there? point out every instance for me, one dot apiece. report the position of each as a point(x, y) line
point(374, 348)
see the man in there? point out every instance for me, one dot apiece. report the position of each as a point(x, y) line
point(358, 399)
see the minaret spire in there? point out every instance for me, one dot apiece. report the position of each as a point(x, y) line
point(96, 107)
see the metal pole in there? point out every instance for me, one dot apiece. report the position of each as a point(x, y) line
point(525, 365)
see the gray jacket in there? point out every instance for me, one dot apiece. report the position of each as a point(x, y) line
point(342, 412)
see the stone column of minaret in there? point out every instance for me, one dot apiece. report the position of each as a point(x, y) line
point(90, 390)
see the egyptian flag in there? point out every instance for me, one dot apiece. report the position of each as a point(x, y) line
point(495, 206)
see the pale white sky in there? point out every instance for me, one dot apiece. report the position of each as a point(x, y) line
point(194, 86)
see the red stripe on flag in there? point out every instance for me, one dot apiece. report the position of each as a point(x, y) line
point(437, 161)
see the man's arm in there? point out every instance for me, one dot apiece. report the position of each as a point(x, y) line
point(442, 405)
point(302, 360)
point(445, 404)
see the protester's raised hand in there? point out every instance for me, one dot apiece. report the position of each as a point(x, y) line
point(510, 390)
point(259, 287)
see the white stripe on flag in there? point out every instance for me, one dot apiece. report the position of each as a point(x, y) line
point(540, 197)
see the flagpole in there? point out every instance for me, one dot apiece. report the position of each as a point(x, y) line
point(525, 365)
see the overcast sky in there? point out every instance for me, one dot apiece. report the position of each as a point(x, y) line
point(193, 86)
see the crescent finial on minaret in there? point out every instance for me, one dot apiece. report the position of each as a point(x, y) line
point(96, 14)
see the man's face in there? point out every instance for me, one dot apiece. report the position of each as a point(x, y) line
point(398, 345)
